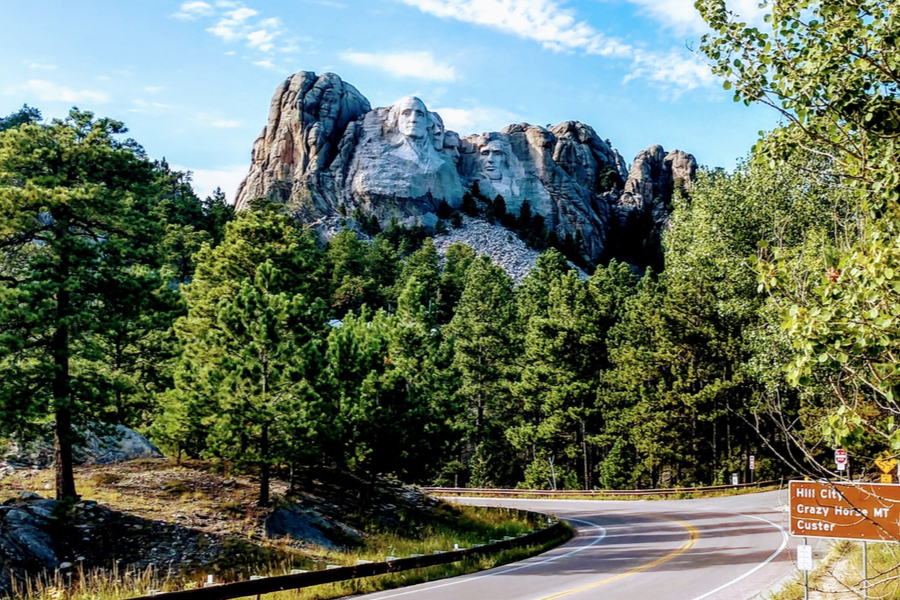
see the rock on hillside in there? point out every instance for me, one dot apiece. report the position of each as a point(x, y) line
point(325, 151)
point(117, 445)
point(504, 248)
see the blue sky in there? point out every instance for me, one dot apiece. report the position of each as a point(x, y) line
point(193, 79)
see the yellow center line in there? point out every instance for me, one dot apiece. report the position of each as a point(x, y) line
point(694, 536)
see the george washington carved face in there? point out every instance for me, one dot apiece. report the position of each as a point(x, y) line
point(411, 117)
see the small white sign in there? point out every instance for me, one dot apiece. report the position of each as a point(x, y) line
point(734, 479)
point(752, 463)
point(804, 557)
point(840, 459)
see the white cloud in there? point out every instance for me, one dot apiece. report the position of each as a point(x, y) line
point(681, 15)
point(235, 22)
point(40, 66)
point(232, 25)
point(420, 65)
point(154, 89)
point(262, 39)
point(476, 119)
point(51, 92)
point(543, 21)
point(192, 10)
point(678, 72)
point(559, 29)
point(225, 123)
point(205, 181)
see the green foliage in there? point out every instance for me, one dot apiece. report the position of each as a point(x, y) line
point(78, 256)
point(486, 343)
point(827, 68)
point(615, 473)
point(23, 116)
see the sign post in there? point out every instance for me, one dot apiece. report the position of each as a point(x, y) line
point(840, 459)
point(886, 466)
point(734, 479)
point(752, 468)
point(805, 564)
point(865, 571)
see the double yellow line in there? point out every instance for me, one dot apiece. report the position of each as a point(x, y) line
point(693, 534)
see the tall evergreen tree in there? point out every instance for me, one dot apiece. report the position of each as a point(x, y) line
point(486, 344)
point(76, 236)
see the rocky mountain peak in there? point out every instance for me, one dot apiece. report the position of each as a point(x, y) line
point(325, 151)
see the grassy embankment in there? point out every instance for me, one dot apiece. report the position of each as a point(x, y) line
point(190, 497)
point(114, 585)
point(838, 576)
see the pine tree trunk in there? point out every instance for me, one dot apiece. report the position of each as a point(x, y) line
point(65, 475)
point(264, 468)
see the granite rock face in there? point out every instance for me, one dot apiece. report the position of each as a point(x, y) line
point(325, 152)
point(118, 444)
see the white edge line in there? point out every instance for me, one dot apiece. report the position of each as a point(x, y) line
point(597, 540)
point(784, 541)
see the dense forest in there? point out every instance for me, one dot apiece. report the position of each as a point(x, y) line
point(770, 330)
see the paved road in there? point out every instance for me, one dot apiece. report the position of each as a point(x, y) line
point(717, 549)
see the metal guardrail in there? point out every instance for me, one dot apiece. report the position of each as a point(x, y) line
point(282, 583)
point(439, 491)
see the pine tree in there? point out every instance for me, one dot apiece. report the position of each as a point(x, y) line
point(259, 361)
point(383, 267)
point(217, 213)
point(77, 234)
point(486, 345)
point(562, 364)
point(533, 296)
point(458, 259)
point(424, 266)
point(24, 115)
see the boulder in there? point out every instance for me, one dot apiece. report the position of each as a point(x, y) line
point(99, 447)
point(308, 525)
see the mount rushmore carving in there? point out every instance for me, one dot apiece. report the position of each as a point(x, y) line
point(325, 152)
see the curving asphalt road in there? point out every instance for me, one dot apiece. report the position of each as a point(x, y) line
point(728, 548)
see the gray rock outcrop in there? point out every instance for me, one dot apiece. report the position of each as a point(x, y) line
point(117, 444)
point(503, 247)
point(325, 151)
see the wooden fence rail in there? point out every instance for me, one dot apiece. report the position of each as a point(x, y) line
point(268, 585)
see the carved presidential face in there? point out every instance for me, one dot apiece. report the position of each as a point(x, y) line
point(437, 131)
point(494, 160)
point(412, 118)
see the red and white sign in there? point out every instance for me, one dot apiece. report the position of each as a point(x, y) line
point(840, 459)
point(752, 462)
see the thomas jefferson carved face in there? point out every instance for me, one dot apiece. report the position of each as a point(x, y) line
point(412, 117)
point(494, 160)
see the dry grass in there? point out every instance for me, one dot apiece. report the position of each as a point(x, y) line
point(161, 493)
point(120, 585)
point(839, 575)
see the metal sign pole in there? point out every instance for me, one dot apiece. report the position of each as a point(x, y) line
point(805, 580)
point(865, 571)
